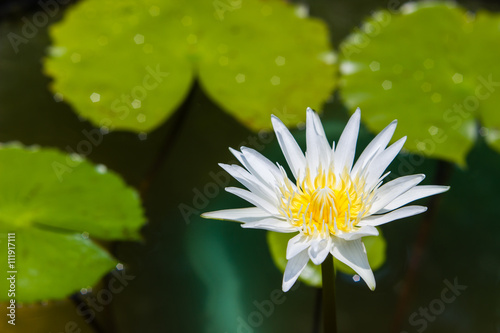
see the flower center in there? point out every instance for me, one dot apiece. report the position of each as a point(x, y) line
point(324, 203)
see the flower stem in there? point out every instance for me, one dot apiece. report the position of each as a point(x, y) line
point(329, 309)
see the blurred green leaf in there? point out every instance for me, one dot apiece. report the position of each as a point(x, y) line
point(431, 66)
point(54, 202)
point(129, 64)
point(276, 63)
point(311, 275)
point(53, 265)
point(45, 188)
point(487, 33)
point(121, 64)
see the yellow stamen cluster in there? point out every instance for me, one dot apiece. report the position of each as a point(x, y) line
point(325, 203)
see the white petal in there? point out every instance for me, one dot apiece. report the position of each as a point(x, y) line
point(381, 162)
point(319, 249)
point(254, 199)
point(261, 167)
point(413, 194)
point(346, 146)
point(390, 191)
point(271, 224)
point(353, 254)
point(293, 154)
point(318, 149)
point(378, 144)
point(239, 157)
point(250, 182)
point(294, 267)
point(296, 245)
point(251, 214)
point(366, 230)
point(397, 214)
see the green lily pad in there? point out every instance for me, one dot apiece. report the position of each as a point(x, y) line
point(117, 65)
point(487, 26)
point(431, 66)
point(311, 275)
point(52, 265)
point(47, 189)
point(54, 202)
point(127, 65)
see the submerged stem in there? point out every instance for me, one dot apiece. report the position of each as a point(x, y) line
point(179, 120)
point(317, 312)
point(443, 173)
point(329, 309)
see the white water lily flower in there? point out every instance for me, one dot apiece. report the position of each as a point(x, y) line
point(333, 203)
